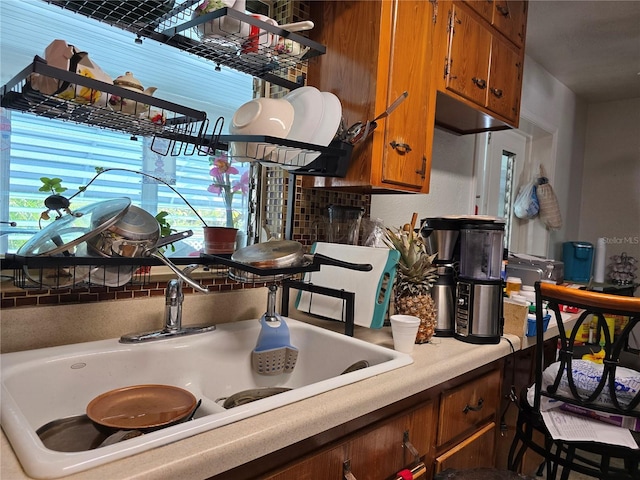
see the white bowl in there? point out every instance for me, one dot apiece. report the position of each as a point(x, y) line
point(261, 116)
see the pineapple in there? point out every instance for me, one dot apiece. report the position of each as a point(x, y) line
point(414, 278)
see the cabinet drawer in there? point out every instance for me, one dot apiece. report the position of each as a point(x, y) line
point(477, 451)
point(374, 454)
point(468, 406)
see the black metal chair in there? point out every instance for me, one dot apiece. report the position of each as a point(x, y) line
point(565, 382)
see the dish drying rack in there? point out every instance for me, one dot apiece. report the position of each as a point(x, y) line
point(173, 24)
point(70, 272)
point(183, 127)
point(58, 272)
point(152, 116)
point(291, 277)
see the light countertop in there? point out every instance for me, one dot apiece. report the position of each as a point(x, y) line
point(227, 447)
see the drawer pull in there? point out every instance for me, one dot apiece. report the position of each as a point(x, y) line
point(409, 446)
point(346, 471)
point(481, 84)
point(504, 11)
point(496, 92)
point(402, 148)
point(468, 408)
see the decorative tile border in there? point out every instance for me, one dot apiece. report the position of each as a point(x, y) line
point(13, 297)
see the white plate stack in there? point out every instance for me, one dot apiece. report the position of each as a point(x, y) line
point(316, 120)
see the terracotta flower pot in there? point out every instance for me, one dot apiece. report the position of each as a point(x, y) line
point(219, 240)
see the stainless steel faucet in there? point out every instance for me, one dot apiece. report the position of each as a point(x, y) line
point(172, 318)
point(173, 306)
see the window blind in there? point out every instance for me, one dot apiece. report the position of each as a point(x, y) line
point(41, 147)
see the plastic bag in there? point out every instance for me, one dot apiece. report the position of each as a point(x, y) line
point(549, 208)
point(373, 232)
point(526, 205)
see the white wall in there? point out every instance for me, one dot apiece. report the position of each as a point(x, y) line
point(551, 106)
point(610, 206)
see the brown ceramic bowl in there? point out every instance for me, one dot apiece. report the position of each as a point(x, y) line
point(141, 407)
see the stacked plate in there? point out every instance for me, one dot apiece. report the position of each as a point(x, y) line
point(316, 118)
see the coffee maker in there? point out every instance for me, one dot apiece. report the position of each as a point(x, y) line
point(441, 236)
point(479, 287)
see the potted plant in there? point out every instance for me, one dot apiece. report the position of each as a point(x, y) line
point(414, 278)
point(221, 239)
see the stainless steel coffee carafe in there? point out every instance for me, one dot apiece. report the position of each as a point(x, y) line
point(441, 237)
point(478, 317)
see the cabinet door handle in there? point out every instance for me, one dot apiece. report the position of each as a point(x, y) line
point(481, 84)
point(422, 172)
point(468, 408)
point(402, 148)
point(346, 471)
point(504, 11)
point(496, 92)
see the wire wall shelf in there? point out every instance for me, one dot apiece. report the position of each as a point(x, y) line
point(225, 36)
point(92, 102)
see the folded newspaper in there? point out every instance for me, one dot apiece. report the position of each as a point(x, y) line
point(632, 423)
point(567, 426)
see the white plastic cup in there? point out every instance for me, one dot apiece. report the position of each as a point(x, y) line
point(404, 329)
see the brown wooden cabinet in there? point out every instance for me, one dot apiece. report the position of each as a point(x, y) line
point(506, 16)
point(510, 19)
point(460, 62)
point(376, 453)
point(475, 451)
point(467, 423)
point(505, 80)
point(482, 47)
point(376, 50)
point(452, 426)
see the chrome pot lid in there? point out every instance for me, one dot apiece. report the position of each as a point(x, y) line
point(273, 254)
point(67, 232)
point(135, 224)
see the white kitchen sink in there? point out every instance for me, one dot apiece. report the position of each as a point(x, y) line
point(41, 386)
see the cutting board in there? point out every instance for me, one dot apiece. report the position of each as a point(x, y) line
point(372, 289)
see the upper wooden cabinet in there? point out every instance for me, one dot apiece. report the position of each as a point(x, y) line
point(481, 45)
point(509, 17)
point(376, 50)
point(460, 62)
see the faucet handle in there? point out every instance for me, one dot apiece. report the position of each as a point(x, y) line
point(184, 277)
